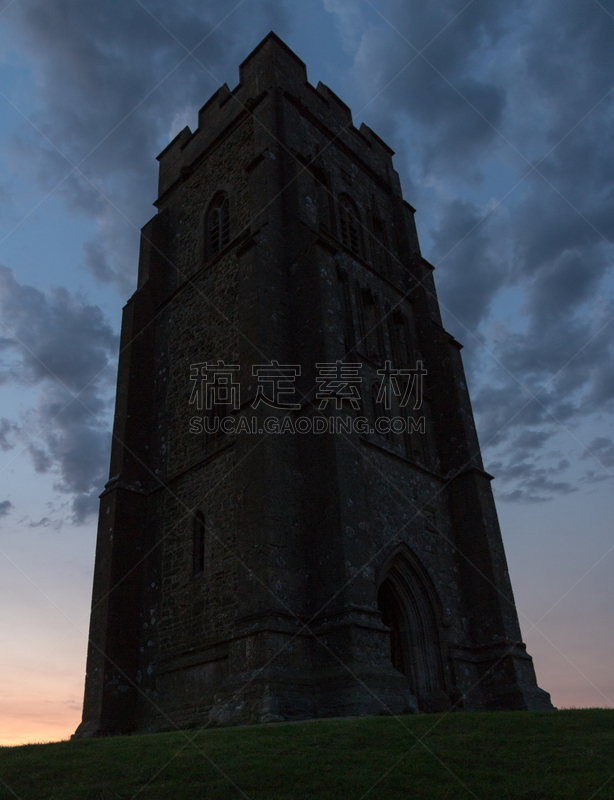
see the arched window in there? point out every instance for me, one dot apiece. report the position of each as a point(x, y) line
point(349, 222)
point(401, 342)
point(198, 550)
point(372, 343)
point(345, 300)
point(217, 225)
point(322, 196)
point(379, 247)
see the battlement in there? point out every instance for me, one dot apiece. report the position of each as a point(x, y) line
point(344, 112)
point(270, 67)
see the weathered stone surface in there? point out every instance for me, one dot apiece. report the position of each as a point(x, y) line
point(342, 573)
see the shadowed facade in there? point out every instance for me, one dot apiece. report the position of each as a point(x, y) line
point(249, 575)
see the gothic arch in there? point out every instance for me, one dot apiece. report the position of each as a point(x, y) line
point(372, 343)
point(217, 224)
point(380, 251)
point(410, 607)
point(322, 192)
point(345, 300)
point(350, 224)
point(401, 340)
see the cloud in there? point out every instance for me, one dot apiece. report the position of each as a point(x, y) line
point(481, 264)
point(430, 59)
point(532, 484)
point(45, 522)
point(529, 442)
point(600, 448)
point(57, 336)
point(351, 20)
point(506, 89)
point(41, 460)
point(64, 345)
point(503, 95)
point(5, 507)
point(7, 428)
point(111, 77)
point(566, 364)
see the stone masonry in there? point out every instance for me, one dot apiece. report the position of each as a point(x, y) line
point(258, 575)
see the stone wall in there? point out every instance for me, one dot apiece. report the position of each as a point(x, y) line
point(305, 535)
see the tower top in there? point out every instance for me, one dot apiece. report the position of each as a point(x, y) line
point(271, 65)
point(270, 47)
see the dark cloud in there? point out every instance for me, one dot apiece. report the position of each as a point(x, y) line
point(45, 522)
point(600, 448)
point(64, 345)
point(540, 74)
point(502, 410)
point(77, 447)
point(41, 460)
point(567, 365)
point(116, 82)
point(532, 484)
point(97, 261)
point(454, 106)
point(529, 442)
point(480, 262)
point(564, 284)
point(503, 88)
point(592, 477)
point(530, 87)
point(7, 429)
point(57, 336)
point(5, 507)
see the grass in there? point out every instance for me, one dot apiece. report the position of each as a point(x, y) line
point(503, 755)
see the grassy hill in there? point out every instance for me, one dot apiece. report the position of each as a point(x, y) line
point(502, 755)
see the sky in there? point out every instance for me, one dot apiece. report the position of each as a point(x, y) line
point(500, 115)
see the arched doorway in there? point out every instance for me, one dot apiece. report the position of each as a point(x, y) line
point(393, 617)
point(409, 607)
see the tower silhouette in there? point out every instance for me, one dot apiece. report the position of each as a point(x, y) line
point(297, 521)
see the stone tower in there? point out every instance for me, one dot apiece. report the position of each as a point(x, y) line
point(297, 521)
